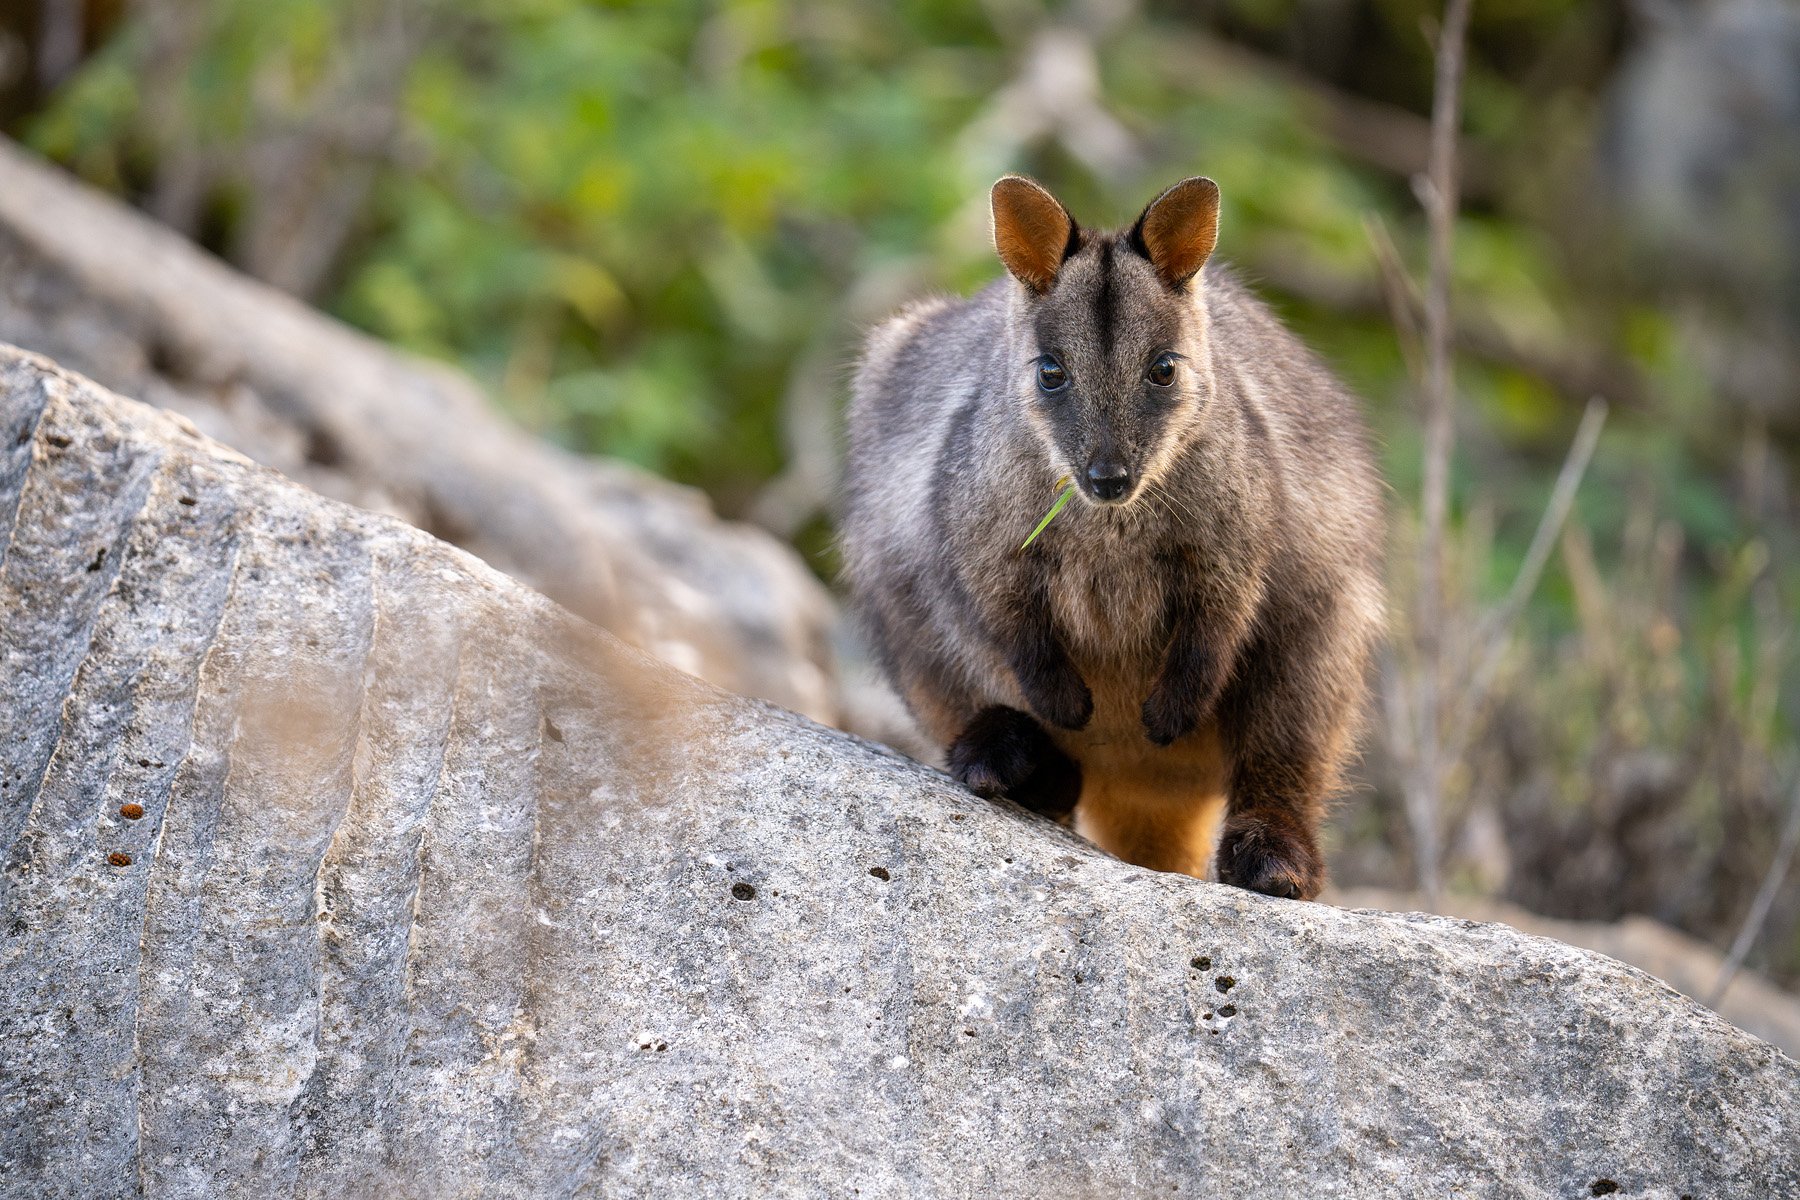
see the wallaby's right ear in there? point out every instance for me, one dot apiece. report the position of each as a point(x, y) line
point(1033, 232)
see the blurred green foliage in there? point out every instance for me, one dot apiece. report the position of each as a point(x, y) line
point(632, 219)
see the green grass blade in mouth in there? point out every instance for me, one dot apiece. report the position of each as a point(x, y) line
point(1051, 515)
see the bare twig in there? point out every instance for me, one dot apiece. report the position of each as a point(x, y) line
point(1765, 899)
point(1439, 192)
point(1496, 629)
point(1398, 288)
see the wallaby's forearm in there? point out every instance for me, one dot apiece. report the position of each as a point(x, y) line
point(1024, 627)
point(1208, 628)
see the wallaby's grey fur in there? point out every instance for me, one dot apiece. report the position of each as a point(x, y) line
point(1193, 631)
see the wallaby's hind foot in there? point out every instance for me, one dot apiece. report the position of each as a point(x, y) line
point(1272, 852)
point(1005, 752)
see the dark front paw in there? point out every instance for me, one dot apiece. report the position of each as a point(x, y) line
point(1169, 715)
point(1184, 693)
point(1004, 752)
point(1060, 697)
point(1275, 853)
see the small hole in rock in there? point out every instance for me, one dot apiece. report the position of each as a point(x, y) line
point(969, 1032)
point(1603, 1187)
point(661, 1046)
point(1224, 983)
point(189, 501)
point(58, 440)
point(99, 559)
point(1202, 963)
point(743, 891)
point(119, 858)
point(1229, 1010)
point(880, 873)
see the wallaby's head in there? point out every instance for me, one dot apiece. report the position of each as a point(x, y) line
point(1115, 374)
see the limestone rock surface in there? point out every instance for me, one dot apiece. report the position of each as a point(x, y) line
point(334, 863)
point(1685, 963)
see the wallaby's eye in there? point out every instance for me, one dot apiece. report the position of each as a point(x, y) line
point(1051, 376)
point(1162, 371)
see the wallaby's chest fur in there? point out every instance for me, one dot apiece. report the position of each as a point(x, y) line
point(1195, 625)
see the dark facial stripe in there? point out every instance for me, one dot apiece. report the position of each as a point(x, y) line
point(1103, 301)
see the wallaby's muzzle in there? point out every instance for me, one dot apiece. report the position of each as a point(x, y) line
point(1107, 481)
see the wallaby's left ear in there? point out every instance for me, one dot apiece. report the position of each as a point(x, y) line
point(1179, 229)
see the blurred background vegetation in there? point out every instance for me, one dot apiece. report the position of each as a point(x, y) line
point(655, 230)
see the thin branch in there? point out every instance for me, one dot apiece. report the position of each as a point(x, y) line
point(1439, 193)
point(1496, 629)
point(1765, 900)
point(1440, 196)
point(1556, 512)
point(1397, 287)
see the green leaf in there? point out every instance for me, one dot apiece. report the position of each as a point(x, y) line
point(1051, 515)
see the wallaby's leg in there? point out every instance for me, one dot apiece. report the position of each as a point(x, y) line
point(1004, 752)
point(1287, 725)
point(1273, 850)
point(1034, 650)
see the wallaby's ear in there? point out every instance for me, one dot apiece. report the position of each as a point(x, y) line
point(1033, 232)
point(1179, 229)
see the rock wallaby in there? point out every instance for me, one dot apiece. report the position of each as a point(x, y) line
point(1189, 640)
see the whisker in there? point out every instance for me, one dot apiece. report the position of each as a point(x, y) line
point(1177, 503)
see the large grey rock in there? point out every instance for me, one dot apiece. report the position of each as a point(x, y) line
point(1687, 964)
point(440, 891)
point(106, 291)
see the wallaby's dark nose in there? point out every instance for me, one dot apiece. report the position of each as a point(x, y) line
point(1107, 480)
